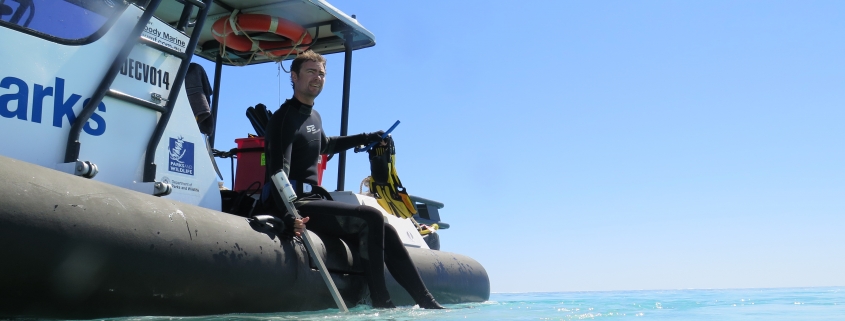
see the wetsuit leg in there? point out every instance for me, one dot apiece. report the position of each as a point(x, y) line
point(399, 262)
point(380, 246)
point(402, 268)
point(364, 223)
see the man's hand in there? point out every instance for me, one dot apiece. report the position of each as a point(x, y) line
point(299, 225)
point(375, 137)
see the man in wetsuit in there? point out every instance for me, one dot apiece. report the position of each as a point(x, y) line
point(293, 143)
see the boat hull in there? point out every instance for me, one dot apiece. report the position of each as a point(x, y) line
point(77, 248)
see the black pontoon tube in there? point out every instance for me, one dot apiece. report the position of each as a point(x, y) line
point(84, 249)
point(73, 145)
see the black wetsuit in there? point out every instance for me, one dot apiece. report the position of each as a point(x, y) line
point(294, 141)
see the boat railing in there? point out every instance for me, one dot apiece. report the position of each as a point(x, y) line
point(73, 146)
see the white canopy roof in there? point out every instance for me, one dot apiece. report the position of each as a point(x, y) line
point(320, 18)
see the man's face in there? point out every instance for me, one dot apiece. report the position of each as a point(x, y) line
point(309, 82)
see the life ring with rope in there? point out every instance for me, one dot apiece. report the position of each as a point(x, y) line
point(298, 38)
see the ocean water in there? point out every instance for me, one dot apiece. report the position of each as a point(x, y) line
point(824, 303)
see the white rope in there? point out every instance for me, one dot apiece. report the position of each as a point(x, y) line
point(233, 21)
point(256, 44)
point(295, 48)
point(419, 228)
point(361, 188)
point(274, 23)
point(234, 25)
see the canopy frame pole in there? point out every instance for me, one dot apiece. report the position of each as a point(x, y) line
point(215, 99)
point(344, 113)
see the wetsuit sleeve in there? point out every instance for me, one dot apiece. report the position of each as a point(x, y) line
point(336, 144)
point(279, 146)
point(280, 137)
point(288, 218)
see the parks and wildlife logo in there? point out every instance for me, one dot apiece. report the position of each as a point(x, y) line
point(181, 156)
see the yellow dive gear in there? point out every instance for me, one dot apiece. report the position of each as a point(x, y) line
point(385, 184)
point(429, 229)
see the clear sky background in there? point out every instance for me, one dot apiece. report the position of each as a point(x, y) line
point(603, 145)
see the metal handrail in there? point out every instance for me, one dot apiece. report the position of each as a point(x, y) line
point(135, 100)
point(73, 145)
point(149, 158)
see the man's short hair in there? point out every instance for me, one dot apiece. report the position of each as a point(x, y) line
point(308, 55)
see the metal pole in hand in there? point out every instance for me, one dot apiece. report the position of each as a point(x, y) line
point(285, 190)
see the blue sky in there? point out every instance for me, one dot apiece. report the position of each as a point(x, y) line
point(603, 145)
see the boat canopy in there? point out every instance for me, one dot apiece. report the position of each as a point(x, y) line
point(328, 26)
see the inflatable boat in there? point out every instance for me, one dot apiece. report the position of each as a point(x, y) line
point(110, 203)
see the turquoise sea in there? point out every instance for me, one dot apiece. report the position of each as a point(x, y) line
point(823, 303)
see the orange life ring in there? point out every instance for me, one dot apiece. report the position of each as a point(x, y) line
point(222, 31)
